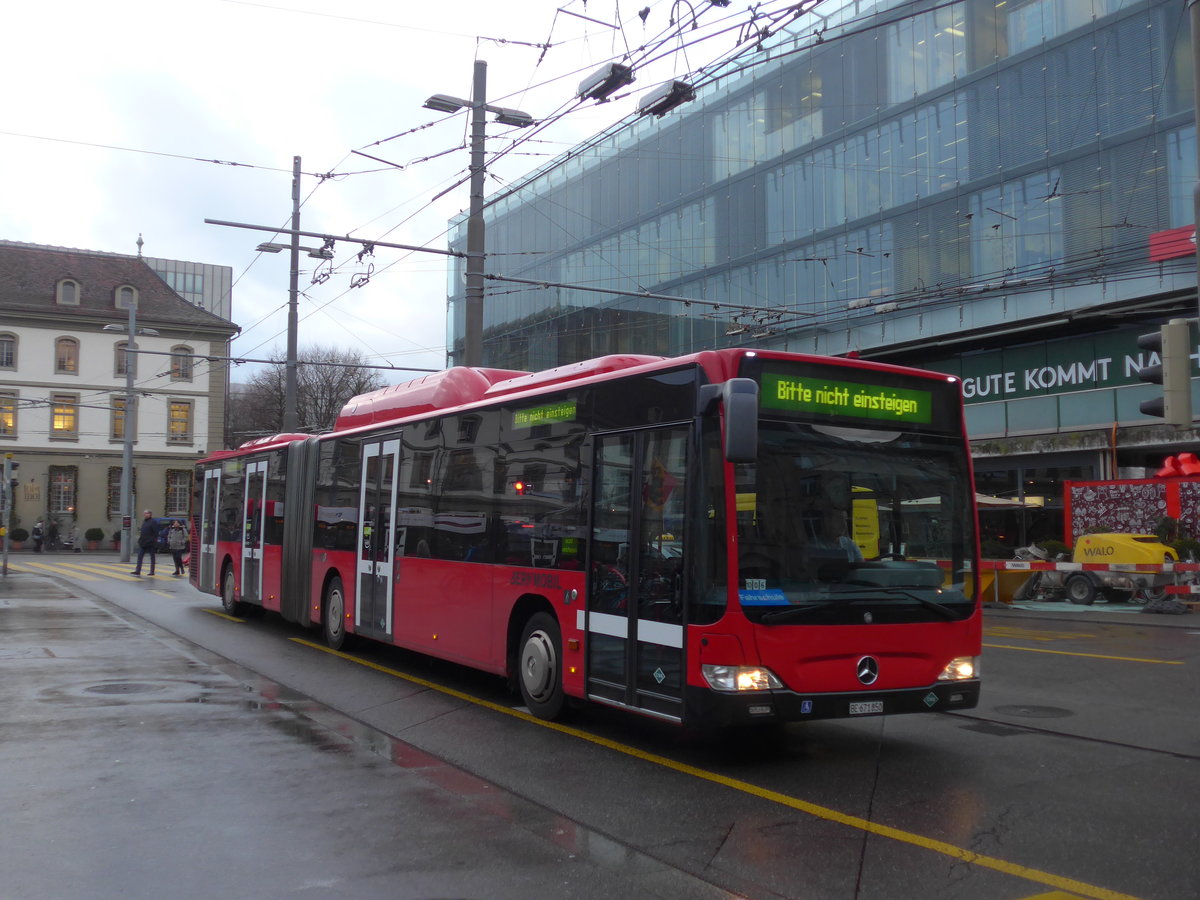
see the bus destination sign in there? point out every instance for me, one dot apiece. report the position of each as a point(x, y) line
point(544, 415)
point(802, 394)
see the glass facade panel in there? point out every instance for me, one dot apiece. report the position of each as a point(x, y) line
point(1181, 175)
point(1033, 414)
point(940, 152)
point(985, 419)
point(1089, 408)
point(926, 51)
point(1014, 229)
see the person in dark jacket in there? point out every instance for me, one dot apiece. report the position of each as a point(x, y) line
point(147, 542)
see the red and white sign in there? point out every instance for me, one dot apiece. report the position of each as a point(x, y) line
point(1173, 243)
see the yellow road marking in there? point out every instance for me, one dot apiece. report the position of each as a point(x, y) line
point(222, 615)
point(56, 570)
point(1053, 895)
point(1161, 662)
point(74, 569)
point(95, 568)
point(1034, 634)
point(1080, 888)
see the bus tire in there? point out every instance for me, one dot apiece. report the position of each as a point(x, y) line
point(229, 601)
point(333, 614)
point(539, 666)
point(1081, 590)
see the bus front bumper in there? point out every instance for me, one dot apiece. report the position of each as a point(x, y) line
point(723, 709)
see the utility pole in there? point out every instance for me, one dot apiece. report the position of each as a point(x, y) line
point(129, 427)
point(473, 339)
point(290, 418)
point(6, 501)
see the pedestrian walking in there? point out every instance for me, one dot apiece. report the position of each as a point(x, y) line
point(176, 542)
point(147, 542)
point(39, 536)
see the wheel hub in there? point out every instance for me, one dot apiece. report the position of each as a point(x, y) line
point(538, 665)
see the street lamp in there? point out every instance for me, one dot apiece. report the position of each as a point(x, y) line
point(129, 426)
point(473, 338)
point(314, 252)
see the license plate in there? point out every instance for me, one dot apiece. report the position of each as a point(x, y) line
point(867, 708)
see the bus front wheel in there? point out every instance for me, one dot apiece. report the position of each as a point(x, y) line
point(539, 666)
point(334, 617)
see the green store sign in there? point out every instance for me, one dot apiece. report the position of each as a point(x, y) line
point(1055, 367)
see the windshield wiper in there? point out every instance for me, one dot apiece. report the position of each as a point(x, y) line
point(942, 610)
point(798, 612)
point(795, 612)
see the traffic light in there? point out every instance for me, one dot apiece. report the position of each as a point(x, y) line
point(1172, 344)
point(10, 475)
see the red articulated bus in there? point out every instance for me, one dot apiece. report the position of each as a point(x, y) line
point(724, 538)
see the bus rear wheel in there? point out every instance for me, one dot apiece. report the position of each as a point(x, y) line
point(333, 616)
point(539, 666)
point(229, 601)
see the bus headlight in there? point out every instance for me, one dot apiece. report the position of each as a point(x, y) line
point(960, 668)
point(740, 678)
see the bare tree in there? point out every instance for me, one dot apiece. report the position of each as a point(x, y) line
point(325, 379)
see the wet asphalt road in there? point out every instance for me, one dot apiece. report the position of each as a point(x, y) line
point(134, 763)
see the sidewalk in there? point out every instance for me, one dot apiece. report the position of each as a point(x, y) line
point(136, 765)
point(1108, 613)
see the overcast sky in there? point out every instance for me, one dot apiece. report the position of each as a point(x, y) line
point(172, 83)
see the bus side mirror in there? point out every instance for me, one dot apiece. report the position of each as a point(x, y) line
point(740, 398)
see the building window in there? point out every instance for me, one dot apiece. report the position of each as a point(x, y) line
point(181, 363)
point(66, 356)
point(126, 297)
point(64, 416)
point(8, 414)
point(114, 491)
point(179, 492)
point(117, 419)
point(179, 422)
point(8, 351)
point(122, 358)
point(62, 490)
point(68, 292)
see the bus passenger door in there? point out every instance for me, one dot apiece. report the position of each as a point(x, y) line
point(376, 547)
point(635, 588)
point(209, 505)
point(255, 499)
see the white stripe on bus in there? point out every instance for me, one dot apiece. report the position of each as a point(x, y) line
point(662, 633)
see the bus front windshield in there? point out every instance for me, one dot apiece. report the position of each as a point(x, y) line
point(841, 525)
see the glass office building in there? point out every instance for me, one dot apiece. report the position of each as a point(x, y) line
point(987, 188)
